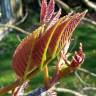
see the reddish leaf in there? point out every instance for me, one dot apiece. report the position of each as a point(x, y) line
point(54, 19)
point(40, 48)
point(50, 10)
point(21, 58)
point(64, 32)
point(21, 55)
point(43, 11)
point(32, 51)
point(66, 36)
point(47, 12)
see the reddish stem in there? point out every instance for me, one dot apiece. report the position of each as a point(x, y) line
point(61, 73)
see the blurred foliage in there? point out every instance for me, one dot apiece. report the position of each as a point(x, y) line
point(85, 33)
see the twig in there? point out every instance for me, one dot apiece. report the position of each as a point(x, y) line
point(16, 83)
point(81, 80)
point(87, 71)
point(64, 90)
point(24, 18)
point(43, 91)
point(64, 6)
point(18, 37)
point(9, 87)
point(90, 21)
point(16, 28)
point(89, 88)
point(68, 9)
point(90, 4)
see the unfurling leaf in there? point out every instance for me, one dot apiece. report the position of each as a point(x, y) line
point(54, 19)
point(47, 13)
point(50, 10)
point(43, 11)
point(32, 51)
point(78, 57)
point(63, 33)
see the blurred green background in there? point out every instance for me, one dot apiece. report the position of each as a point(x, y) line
point(85, 33)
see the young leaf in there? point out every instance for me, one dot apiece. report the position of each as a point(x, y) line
point(21, 58)
point(67, 34)
point(50, 10)
point(54, 19)
point(41, 46)
point(47, 13)
point(43, 11)
point(64, 32)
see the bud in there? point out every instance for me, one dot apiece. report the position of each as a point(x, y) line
point(78, 57)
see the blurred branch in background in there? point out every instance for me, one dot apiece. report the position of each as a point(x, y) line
point(90, 21)
point(80, 79)
point(23, 18)
point(16, 28)
point(64, 6)
point(87, 71)
point(89, 88)
point(72, 92)
point(68, 9)
point(90, 4)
